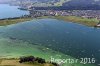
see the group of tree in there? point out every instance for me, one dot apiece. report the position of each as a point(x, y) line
point(34, 59)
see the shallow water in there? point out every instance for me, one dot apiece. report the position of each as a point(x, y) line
point(17, 48)
point(68, 38)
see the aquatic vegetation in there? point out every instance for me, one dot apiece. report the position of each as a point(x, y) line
point(85, 21)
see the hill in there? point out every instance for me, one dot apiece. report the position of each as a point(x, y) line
point(83, 4)
point(66, 4)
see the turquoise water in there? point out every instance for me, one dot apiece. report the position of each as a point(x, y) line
point(7, 11)
point(17, 48)
point(67, 38)
point(72, 39)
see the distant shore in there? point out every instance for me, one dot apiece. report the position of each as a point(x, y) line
point(85, 21)
point(80, 20)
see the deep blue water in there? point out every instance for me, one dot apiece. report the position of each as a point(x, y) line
point(7, 11)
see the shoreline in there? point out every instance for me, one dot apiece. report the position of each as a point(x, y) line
point(16, 62)
point(79, 20)
point(9, 21)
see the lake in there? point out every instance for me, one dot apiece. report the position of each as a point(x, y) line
point(67, 38)
point(7, 11)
